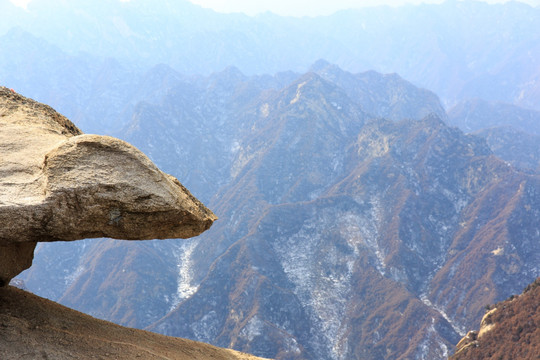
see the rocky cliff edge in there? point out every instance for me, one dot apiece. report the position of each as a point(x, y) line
point(57, 184)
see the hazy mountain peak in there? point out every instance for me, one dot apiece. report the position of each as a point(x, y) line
point(476, 114)
point(321, 65)
point(315, 92)
point(230, 74)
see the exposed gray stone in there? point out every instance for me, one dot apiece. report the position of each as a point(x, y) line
point(57, 184)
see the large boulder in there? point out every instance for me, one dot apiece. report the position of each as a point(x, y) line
point(57, 184)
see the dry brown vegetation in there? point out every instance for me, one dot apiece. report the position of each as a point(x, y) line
point(35, 328)
point(516, 332)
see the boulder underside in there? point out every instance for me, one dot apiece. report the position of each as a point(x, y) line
point(57, 184)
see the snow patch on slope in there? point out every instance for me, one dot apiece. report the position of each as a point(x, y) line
point(319, 260)
point(253, 329)
point(70, 278)
point(457, 328)
point(427, 350)
point(185, 288)
point(206, 328)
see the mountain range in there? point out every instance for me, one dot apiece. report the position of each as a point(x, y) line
point(459, 49)
point(361, 215)
point(341, 234)
point(512, 132)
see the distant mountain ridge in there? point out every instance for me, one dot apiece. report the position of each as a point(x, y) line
point(477, 114)
point(459, 49)
point(512, 132)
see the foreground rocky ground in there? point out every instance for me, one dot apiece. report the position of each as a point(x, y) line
point(35, 328)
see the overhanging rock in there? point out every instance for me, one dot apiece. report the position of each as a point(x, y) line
point(57, 184)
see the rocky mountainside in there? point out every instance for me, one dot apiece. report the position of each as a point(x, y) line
point(58, 184)
point(384, 245)
point(325, 226)
point(341, 234)
point(354, 223)
point(509, 329)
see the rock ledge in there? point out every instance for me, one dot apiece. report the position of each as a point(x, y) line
point(57, 184)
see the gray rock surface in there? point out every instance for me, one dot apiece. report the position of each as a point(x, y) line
point(57, 184)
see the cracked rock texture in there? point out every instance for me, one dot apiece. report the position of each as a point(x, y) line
point(57, 184)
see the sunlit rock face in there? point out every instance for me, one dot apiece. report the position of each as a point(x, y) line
point(58, 184)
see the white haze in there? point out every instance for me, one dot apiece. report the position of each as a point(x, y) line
point(298, 7)
point(312, 7)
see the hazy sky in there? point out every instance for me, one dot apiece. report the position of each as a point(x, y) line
point(296, 7)
point(310, 7)
point(299, 7)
